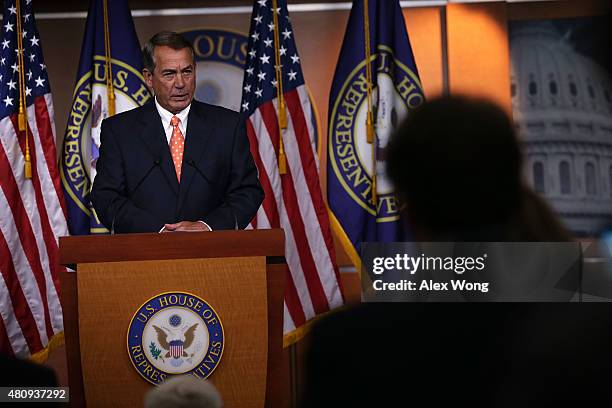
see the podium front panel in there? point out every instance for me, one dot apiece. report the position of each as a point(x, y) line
point(109, 294)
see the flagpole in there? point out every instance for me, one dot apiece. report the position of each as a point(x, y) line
point(22, 117)
point(110, 90)
point(282, 113)
point(370, 115)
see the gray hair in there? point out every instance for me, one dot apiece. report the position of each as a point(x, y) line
point(170, 39)
point(184, 391)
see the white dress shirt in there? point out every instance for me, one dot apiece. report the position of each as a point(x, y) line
point(166, 118)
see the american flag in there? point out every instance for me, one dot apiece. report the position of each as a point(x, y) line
point(293, 200)
point(32, 214)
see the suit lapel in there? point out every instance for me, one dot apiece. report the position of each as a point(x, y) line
point(154, 138)
point(199, 130)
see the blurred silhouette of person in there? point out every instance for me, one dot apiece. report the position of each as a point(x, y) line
point(467, 354)
point(23, 373)
point(18, 373)
point(456, 165)
point(184, 391)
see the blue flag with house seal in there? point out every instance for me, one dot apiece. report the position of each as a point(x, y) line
point(359, 215)
point(117, 61)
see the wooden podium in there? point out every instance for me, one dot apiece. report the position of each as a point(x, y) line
point(240, 274)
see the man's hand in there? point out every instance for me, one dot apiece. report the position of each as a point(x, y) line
point(188, 226)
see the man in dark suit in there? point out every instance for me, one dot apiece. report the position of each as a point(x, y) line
point(174, 164)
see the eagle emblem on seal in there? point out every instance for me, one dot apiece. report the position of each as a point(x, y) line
point(175, 343)
point(175, 333)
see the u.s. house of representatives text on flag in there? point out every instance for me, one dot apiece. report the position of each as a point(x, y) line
point(293, 200)
point(359, 215)
point(32, 213)
point(120, 54)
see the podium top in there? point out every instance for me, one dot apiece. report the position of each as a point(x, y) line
point(176, 245)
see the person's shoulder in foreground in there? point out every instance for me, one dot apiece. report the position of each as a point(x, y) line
point(470, 354)
point(25, 373)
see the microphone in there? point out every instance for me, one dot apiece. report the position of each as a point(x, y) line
point(156, 162)
point(193, 164)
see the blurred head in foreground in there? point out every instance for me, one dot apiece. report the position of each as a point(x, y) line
point(456, 164)
point(184, 392)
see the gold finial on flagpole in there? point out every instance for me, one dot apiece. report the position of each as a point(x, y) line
point(282, 111)
point(22, 116)
point(110, 90)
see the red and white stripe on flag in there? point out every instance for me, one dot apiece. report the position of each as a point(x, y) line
point(32, 217)
point(294, 202)
point(32, 211)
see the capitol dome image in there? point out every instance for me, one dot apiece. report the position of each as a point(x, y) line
point(562, 107)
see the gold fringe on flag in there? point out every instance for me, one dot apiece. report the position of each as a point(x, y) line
point(370, 115)
point(110, 90)
point(22, 117)
point(282, 112)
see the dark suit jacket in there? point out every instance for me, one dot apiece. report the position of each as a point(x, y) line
point(136, 190)
point(473, 354)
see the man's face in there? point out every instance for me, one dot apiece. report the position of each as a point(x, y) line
point(173, 79)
